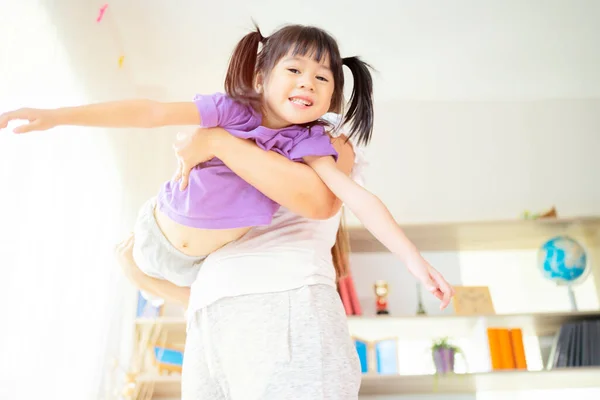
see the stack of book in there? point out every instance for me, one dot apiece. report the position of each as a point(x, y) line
point(577, 344)
point(378, 356)
point(506, 348)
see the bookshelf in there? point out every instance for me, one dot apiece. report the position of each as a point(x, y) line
point(425, 327)
point(460, 236)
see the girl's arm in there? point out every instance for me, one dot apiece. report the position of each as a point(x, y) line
point(129, 114)
point(161, 288)
point(116, 114)
point(164, 289)
point(367, 207)
point(376, 217)
point(294, 185)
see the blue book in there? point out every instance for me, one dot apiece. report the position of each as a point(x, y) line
point(386, 355)
point(362, 348)
point(168, 356)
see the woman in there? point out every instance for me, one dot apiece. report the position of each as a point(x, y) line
point(264, 318)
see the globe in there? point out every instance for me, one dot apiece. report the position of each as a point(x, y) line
point(562, 260)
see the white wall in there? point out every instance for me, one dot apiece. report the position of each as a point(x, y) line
point(453, 161)
point(422, 50)
point(482, 110)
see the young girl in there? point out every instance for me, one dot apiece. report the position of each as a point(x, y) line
point(275, 97)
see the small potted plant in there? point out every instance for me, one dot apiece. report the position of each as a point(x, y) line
point(443, 354)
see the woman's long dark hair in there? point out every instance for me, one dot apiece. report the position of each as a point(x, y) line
point(340, 252)
point(247, 61)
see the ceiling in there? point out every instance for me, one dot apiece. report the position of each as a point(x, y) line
point(422, 50)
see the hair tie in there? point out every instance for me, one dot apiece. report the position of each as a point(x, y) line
point(261, 38)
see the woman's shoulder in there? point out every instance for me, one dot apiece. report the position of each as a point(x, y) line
point(342, 143)
point(351, 157)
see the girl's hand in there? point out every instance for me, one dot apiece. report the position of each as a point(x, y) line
point(124, 254)
point(431, 279)
point(192, 149)
point(39, 120)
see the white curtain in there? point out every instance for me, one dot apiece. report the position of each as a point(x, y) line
point(64, 303)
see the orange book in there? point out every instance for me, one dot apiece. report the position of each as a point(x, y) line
point(495, 349)
point(516, 336)
point(508, 362)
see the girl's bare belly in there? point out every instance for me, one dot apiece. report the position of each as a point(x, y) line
point(194, 241)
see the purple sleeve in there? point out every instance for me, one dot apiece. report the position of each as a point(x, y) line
point(317, 143)
point(218, 109)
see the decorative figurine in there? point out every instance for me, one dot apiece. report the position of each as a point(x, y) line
point(420, 307)
point(550, 214)
point(381, 292)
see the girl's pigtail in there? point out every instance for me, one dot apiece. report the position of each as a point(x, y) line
point(239, 81)
point(360, 112)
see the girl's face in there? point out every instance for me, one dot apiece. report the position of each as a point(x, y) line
point(298, 90)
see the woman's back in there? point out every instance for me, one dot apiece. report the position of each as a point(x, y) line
point(291, 252)
point(288, 232)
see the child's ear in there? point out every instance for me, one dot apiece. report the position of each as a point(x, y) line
point(258, 83)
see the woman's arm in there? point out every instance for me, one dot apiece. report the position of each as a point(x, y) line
point(294, 185)
point(161, 288)
point(116, 114)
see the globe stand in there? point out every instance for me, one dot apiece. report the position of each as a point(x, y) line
point(564, 261)
point(572, 298)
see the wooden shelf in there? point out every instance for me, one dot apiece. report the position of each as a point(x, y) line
point(172, 329)
point(166, 322)
point(420, 327)
point(424, 327)
point(165, 387)
point(484, 235)
point(564, 378)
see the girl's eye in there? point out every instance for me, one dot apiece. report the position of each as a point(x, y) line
point(322, 78)
point(293, 70)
